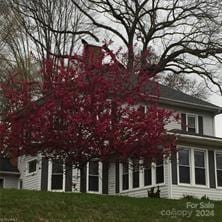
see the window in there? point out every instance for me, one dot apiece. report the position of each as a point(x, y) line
point(191, 123)
point(200, 171)
point(57, 175)
point(184, 166)
point(93, 176)
point(147, 174)
point(125, 176)
point(219, 169)
point(136, 174)
point(32, 166)
point(159, 172)
point(1, 182)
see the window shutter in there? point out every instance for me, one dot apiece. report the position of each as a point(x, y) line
point(211, 169)
point(83, 179)
point(105, 169)
point(117, 177)
point(68, 180)
point(44, 174)
point(200, 124)
point(183, 122)
point(174, 168)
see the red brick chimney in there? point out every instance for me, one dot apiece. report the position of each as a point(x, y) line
point(93, 55)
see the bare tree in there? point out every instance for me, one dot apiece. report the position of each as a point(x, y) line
point(186, 35)
point(55, 27)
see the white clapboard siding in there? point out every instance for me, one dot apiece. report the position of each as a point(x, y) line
point(112, 179)
point(30, 181)
point(179, 191)
point(10, 181)
point(76, 180)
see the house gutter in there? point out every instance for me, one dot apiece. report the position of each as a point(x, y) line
point(204, 141)
point(9, 172)
point(215, 109)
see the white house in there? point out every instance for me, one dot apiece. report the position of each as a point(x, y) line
point(195, 170)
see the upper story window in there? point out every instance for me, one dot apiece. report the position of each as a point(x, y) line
point(32, 166)
point(192, 123)
point(219, 169)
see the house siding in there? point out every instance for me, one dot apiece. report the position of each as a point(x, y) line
point(30, 181)
point(179, 191)
point(112, 179)
point(10, 181)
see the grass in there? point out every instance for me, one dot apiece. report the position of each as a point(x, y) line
point(24, 205)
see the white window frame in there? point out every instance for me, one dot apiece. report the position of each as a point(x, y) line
point(192, 167)
point(196, 122)
point(206, 166)
point(50, 178)
point(215, 167)
point(99, 178)
point(27, 167)
point(141, 177)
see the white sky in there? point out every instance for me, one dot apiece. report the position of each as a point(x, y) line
point(217, 100)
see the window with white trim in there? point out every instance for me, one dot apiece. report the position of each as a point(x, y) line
point(219, 169)
point(93, 176)
point(200, 167)
point(57, 175)
point(159, 172)
point(191, 123)
point(147, 173)
point(136, 174)
point(125, 176)
point(32, 166)
point(184, 165)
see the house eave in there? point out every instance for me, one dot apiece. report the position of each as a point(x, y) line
point(213, 109)
point(200, 140)
point(10, 172)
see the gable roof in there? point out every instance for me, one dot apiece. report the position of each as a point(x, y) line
point(174, 97)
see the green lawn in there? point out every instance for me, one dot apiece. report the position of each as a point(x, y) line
point(18, 205)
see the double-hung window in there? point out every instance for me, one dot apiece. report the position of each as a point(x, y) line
point(184, 166)
point(219, 169)
point(147, 173)
point(200, 167)
point(136, 174)
point(57, 174)
point(191, 123)
point(159, 172)
point(93, 176)
point(125, 176)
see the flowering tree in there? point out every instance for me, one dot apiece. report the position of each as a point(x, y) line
point(92, 109)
